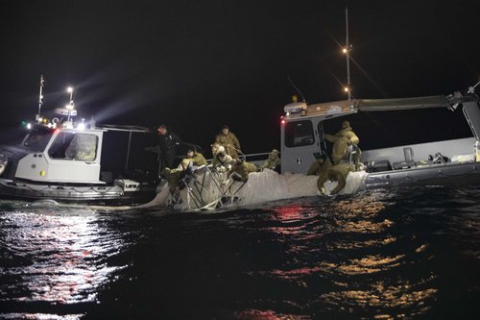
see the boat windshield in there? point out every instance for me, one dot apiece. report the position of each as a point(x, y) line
point(74, 146)
point(38, 138)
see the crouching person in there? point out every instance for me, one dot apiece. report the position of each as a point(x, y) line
point(337, 173)
point(173, 177)
point(240, 170)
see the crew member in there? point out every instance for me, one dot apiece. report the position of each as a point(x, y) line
point(241, 169)
point(229, 141)
point(273, 162)
point(320, 165)
point(196, 158)
point(337, 173)
point(167, 141)
point(215, 147)
point(222, 161)
point(193, 158)
point(173, 177)
point(341, 142)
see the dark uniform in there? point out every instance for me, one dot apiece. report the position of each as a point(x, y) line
point(167, 143)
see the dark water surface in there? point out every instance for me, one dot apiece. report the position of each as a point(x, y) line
point(407, 254)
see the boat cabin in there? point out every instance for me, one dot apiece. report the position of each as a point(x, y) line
point(71, 155)
point(303, 133)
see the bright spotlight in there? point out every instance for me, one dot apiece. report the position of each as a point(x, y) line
point(69, 89)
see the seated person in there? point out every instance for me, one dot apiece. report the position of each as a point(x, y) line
point(337, 173)
point(319, 166)
point(273, 162)
point(240, 170)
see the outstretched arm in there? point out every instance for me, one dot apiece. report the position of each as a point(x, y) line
point(330, 138)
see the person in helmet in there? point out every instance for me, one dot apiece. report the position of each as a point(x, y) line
point(344, 138)
point(273, 162)
point(229, 141)
point(337, 173)
point(319, 166)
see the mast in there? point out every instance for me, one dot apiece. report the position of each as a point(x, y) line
point(347, 55)
point(40, 97)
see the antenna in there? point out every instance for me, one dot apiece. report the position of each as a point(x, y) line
point(346, 50)
point(40, 97)
point(299, 92)
point(70, 106)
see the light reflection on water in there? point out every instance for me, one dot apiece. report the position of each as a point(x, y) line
point(351, 243)
point(55, 258)
point(377, 255)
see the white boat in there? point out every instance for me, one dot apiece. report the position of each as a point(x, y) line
point(303, 137)
point(61, 159)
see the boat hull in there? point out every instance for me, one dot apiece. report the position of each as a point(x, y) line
point(88, 194)
point(440, 175)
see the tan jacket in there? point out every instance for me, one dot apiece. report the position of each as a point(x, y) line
point(230, 143)
point(337, 173)
point(317, 168)
point(341, 141)
point(243, 170)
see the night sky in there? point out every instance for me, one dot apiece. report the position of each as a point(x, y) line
point(199, 64)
